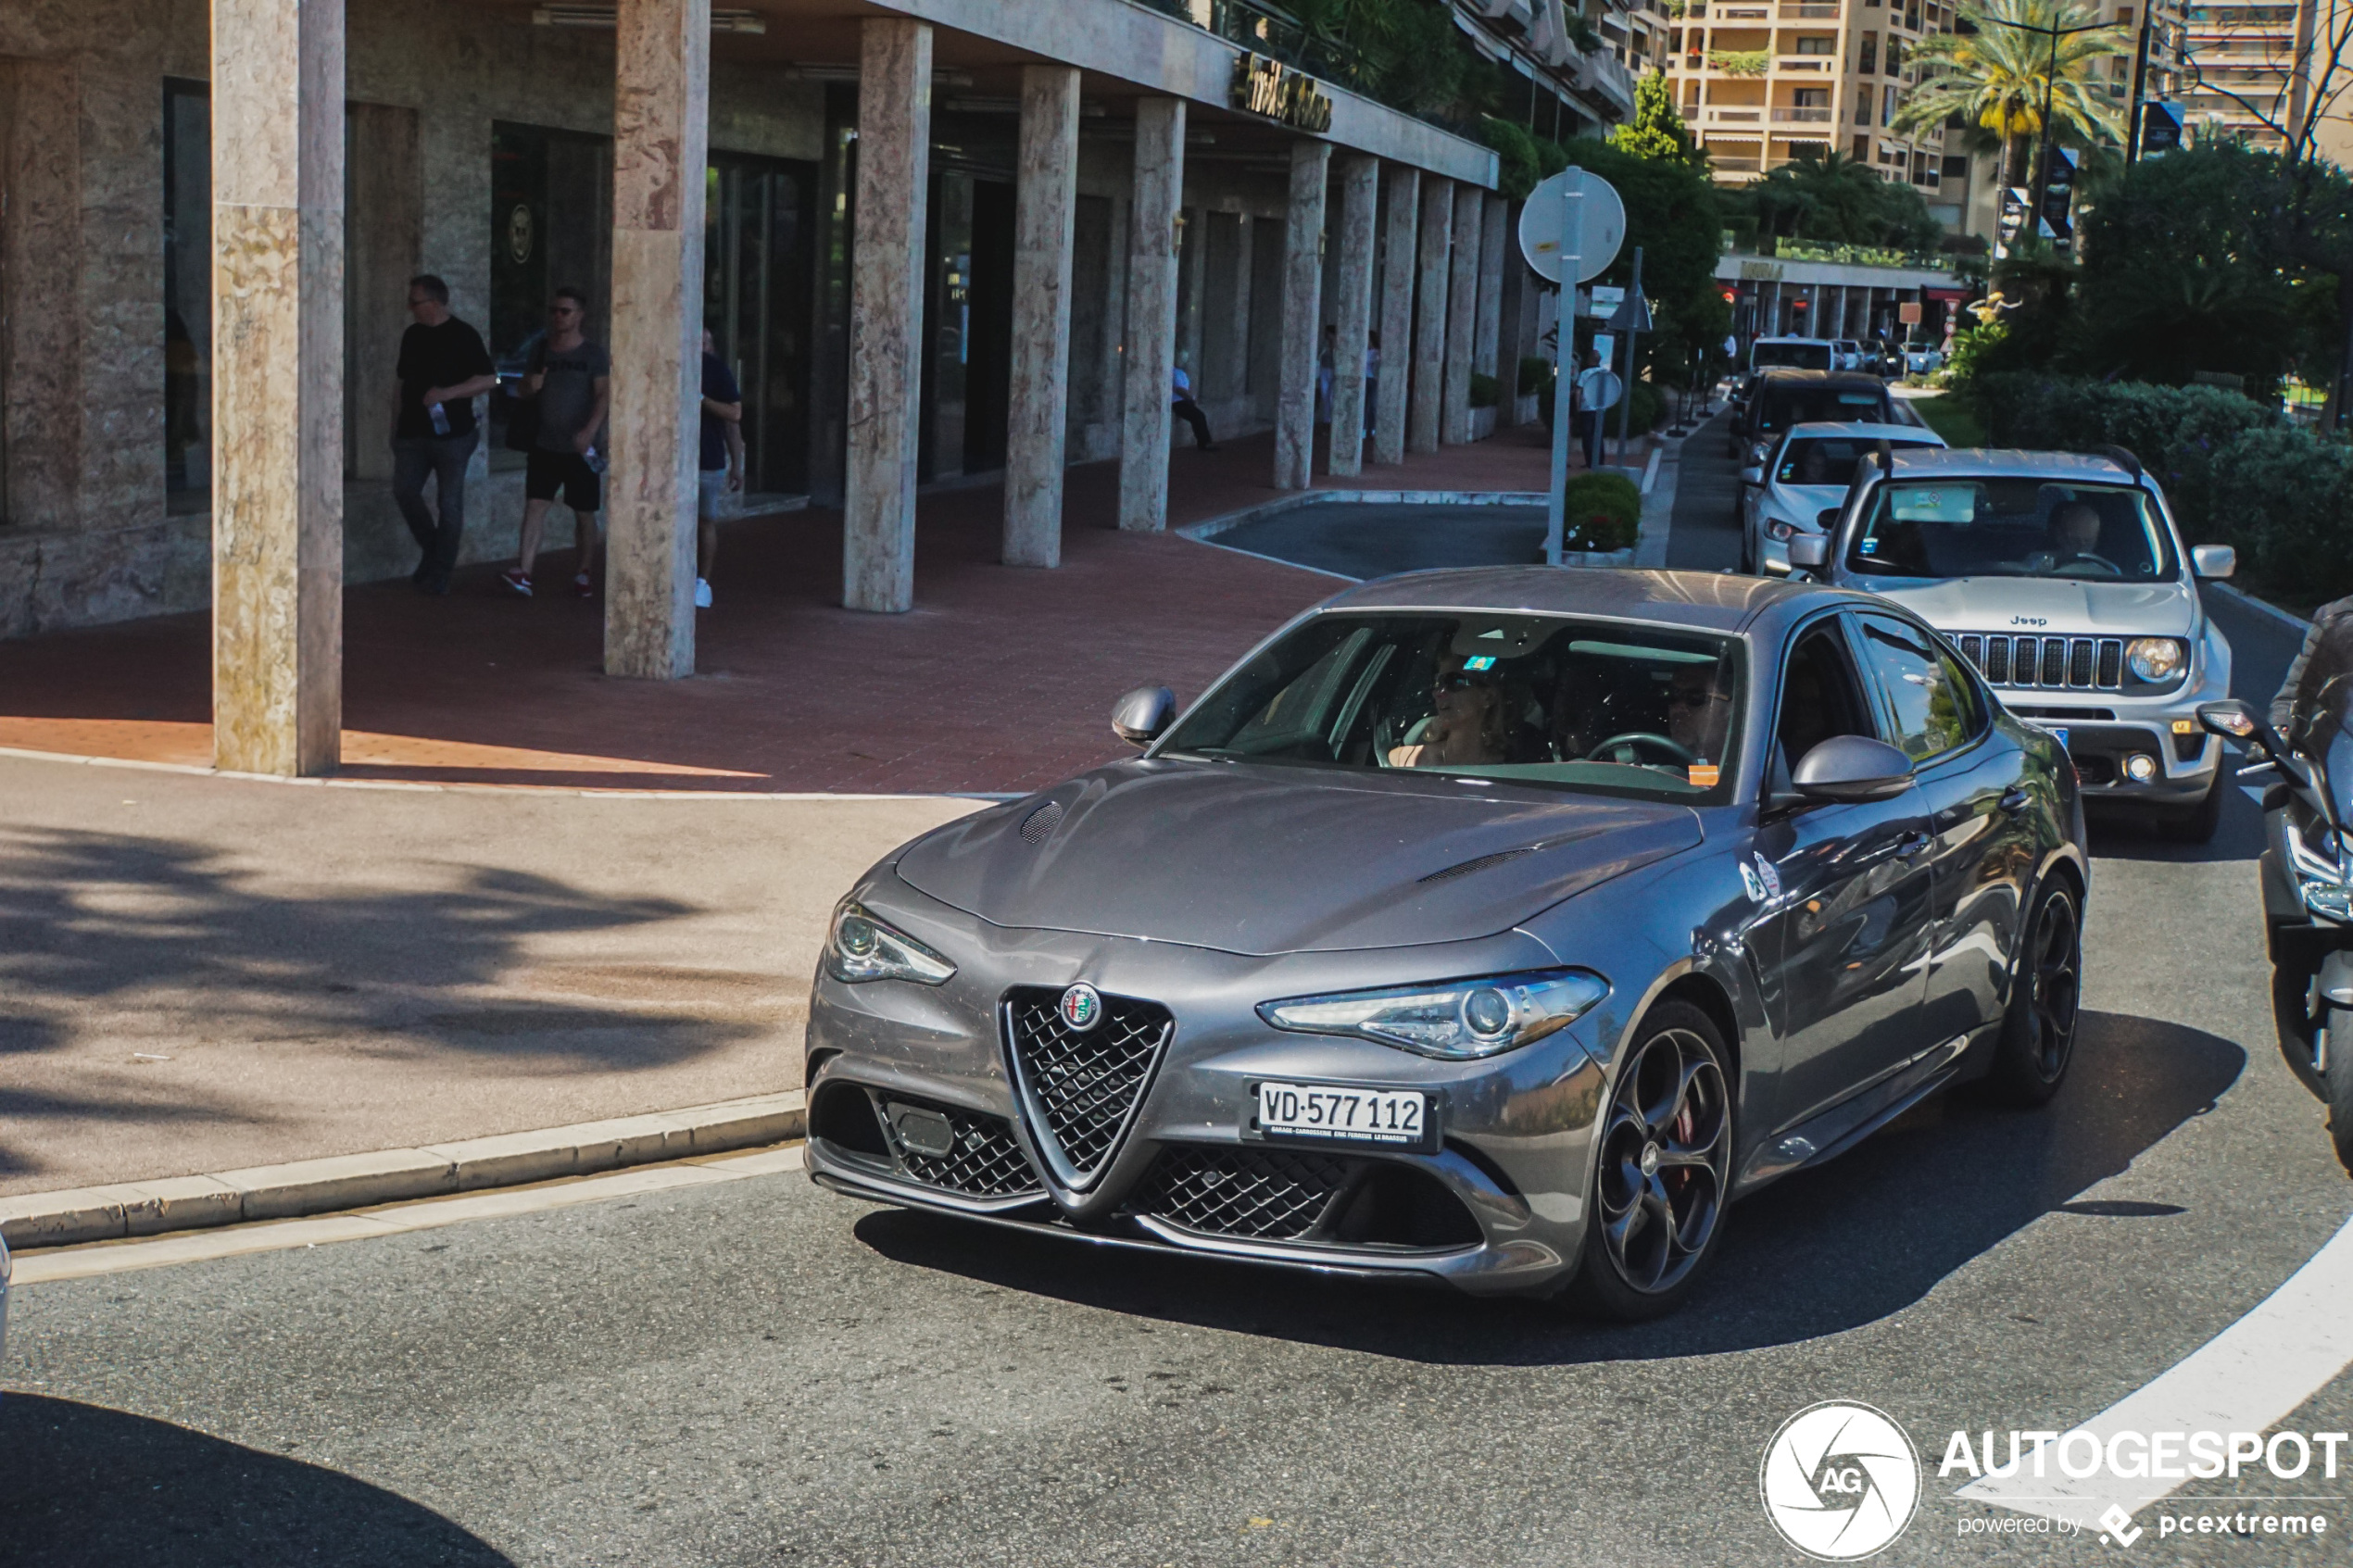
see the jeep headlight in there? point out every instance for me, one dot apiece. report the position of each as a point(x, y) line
point(2155, 659)
point(860, 947)
point(1455, 1019)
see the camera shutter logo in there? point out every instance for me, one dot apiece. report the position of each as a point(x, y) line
point(1840, 1481)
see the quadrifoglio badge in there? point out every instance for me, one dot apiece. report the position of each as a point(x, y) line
point(1840, 1481)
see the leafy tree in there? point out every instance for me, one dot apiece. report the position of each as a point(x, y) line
point(1834, 199)
point(1657, 130)
point(1996, 71)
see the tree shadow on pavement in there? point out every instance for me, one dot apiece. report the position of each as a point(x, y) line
point(1821, 1252)
point(118, 943)
point(91, 1486)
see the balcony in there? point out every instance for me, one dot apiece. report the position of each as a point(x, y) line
point(1808, 10)
point(1801, 117)
point(1805, 62)
point(1733, 116)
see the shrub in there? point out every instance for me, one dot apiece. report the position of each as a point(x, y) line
point(1535, 374)
point(1599, 512)
point(2174, 431)
point(1482, 391)
point(2285, 496)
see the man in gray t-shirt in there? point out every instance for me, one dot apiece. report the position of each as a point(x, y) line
point(571, 380)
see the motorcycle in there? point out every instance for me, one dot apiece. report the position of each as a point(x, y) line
point(2308, 892)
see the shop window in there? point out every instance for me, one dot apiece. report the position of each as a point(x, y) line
point(187, 295)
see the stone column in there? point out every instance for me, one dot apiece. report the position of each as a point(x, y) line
point(1462, 312)
point(1485, 352)
point(1428, 357)
point(1359, 199)
point(1517, 293)
point(660, 114)
point(1237, 309)
point(1044, 214)
point(1311, 164)
point(1396, 313)
point(1152, 313)
point(887, 314)
point(277, 385)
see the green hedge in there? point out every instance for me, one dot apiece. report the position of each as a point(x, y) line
point(1482, 390)
point(1535, 374)
point(2234, 471)
point(1600, 511)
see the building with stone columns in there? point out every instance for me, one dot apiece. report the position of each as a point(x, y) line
point(935, 238)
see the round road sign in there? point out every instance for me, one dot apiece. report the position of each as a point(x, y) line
point(1602, 231)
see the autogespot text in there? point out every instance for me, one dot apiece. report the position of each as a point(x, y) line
point(2146, 1456)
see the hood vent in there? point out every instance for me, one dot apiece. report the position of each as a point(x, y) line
point(1480, 864)
point(1040, 824)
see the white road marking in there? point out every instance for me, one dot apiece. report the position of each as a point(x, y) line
point(2246, 1378)
point(394, 1219)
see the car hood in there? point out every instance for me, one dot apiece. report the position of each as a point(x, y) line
point(1802, 503)
point(2031, 606)
point(1261, 860)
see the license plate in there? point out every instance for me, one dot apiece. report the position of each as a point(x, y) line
point(1335, 1114)
point(2060, 730)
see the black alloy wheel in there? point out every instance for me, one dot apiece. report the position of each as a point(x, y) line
point(2046, 995)
point(1663, 1174)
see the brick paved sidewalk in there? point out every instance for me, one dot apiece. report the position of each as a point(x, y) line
point(1001, 679)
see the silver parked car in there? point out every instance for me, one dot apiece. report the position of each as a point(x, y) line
point(1496, 925)
point(1803, 479)
point(2062, 579)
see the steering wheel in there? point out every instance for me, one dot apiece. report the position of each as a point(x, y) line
point(2101, 566)
point(1627, 743)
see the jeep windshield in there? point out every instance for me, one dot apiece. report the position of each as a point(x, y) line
point(1789, 356)
point(2011, 528)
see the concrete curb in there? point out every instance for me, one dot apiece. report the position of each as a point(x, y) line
point(353, 1181)
point(1212, 527)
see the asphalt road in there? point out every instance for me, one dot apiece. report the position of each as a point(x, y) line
point(763, 1373)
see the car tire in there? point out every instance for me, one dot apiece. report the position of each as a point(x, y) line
point(1662, 1171)
point(2038, 1031)
point(2336, 1079)
point(2195, 825)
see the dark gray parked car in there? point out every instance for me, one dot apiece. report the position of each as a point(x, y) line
point(1498, 925)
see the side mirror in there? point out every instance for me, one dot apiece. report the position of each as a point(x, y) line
point(1140, 716)
point(1827, 518)
point(1752, 475)
point(1852, 767)
point(2213, 560)
point(1809, 552)
point(2233, 719)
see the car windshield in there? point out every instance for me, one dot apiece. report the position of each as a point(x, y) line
point(1817, 460)
point(2011, 528)
point(1587, 705)
point(1787, 406)
point(1793, 356)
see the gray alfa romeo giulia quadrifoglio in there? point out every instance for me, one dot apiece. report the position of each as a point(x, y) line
point(1494, 925)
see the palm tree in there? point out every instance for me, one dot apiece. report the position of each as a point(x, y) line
point(1997, 70)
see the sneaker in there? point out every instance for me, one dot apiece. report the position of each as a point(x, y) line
point(582, 586)
point(702, 593)
point(518, 581)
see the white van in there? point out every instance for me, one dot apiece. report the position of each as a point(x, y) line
point(1788, 354)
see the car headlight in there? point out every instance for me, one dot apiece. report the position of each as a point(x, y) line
point(1779, 530)
point(860, 947)
point(2155, 658)
point(1454, 1020)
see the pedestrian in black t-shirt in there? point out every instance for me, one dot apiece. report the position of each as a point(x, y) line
point(720, 468)
point(443, 368)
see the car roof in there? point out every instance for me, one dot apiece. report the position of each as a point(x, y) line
point(1789, 340)
point(1707, 601)
point(1982, 462)
point(1783, 375)
point(1875, 430)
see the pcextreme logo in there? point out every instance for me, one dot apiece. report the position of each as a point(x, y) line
point(1840, 1481)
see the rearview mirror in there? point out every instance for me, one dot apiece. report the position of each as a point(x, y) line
point(1140, 716)
point(1827, 518)
point(2213, 560)
point(1752, 476)
point(1809, 552)
point(1852, 767)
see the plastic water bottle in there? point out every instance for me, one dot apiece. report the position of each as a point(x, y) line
point(596, 461)
point(440, 418)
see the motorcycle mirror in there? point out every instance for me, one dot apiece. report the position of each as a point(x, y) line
point(2229, 717)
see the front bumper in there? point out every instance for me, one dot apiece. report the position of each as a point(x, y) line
point(2103, 735)
point(1494, 1205)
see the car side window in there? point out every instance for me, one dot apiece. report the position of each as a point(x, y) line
point(1932, 704)
point(1820, 698)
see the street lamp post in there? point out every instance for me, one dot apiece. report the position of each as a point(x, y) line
point(2050, 90)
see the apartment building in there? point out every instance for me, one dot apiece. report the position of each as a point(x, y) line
point(2258, 67)
point(1763, 82)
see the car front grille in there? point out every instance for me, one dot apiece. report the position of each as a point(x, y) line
point(2046, 663)
point(985, 1161)
point(1262, 1194)
point(1080, 1088)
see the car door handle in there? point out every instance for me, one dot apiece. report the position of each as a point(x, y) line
point(1913, 846)
point(2016, 799)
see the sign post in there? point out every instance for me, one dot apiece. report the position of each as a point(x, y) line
point(1570, 232)
point(1634, 317)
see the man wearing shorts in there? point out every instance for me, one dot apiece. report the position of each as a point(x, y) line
point(720, 470)
point(572, 380)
